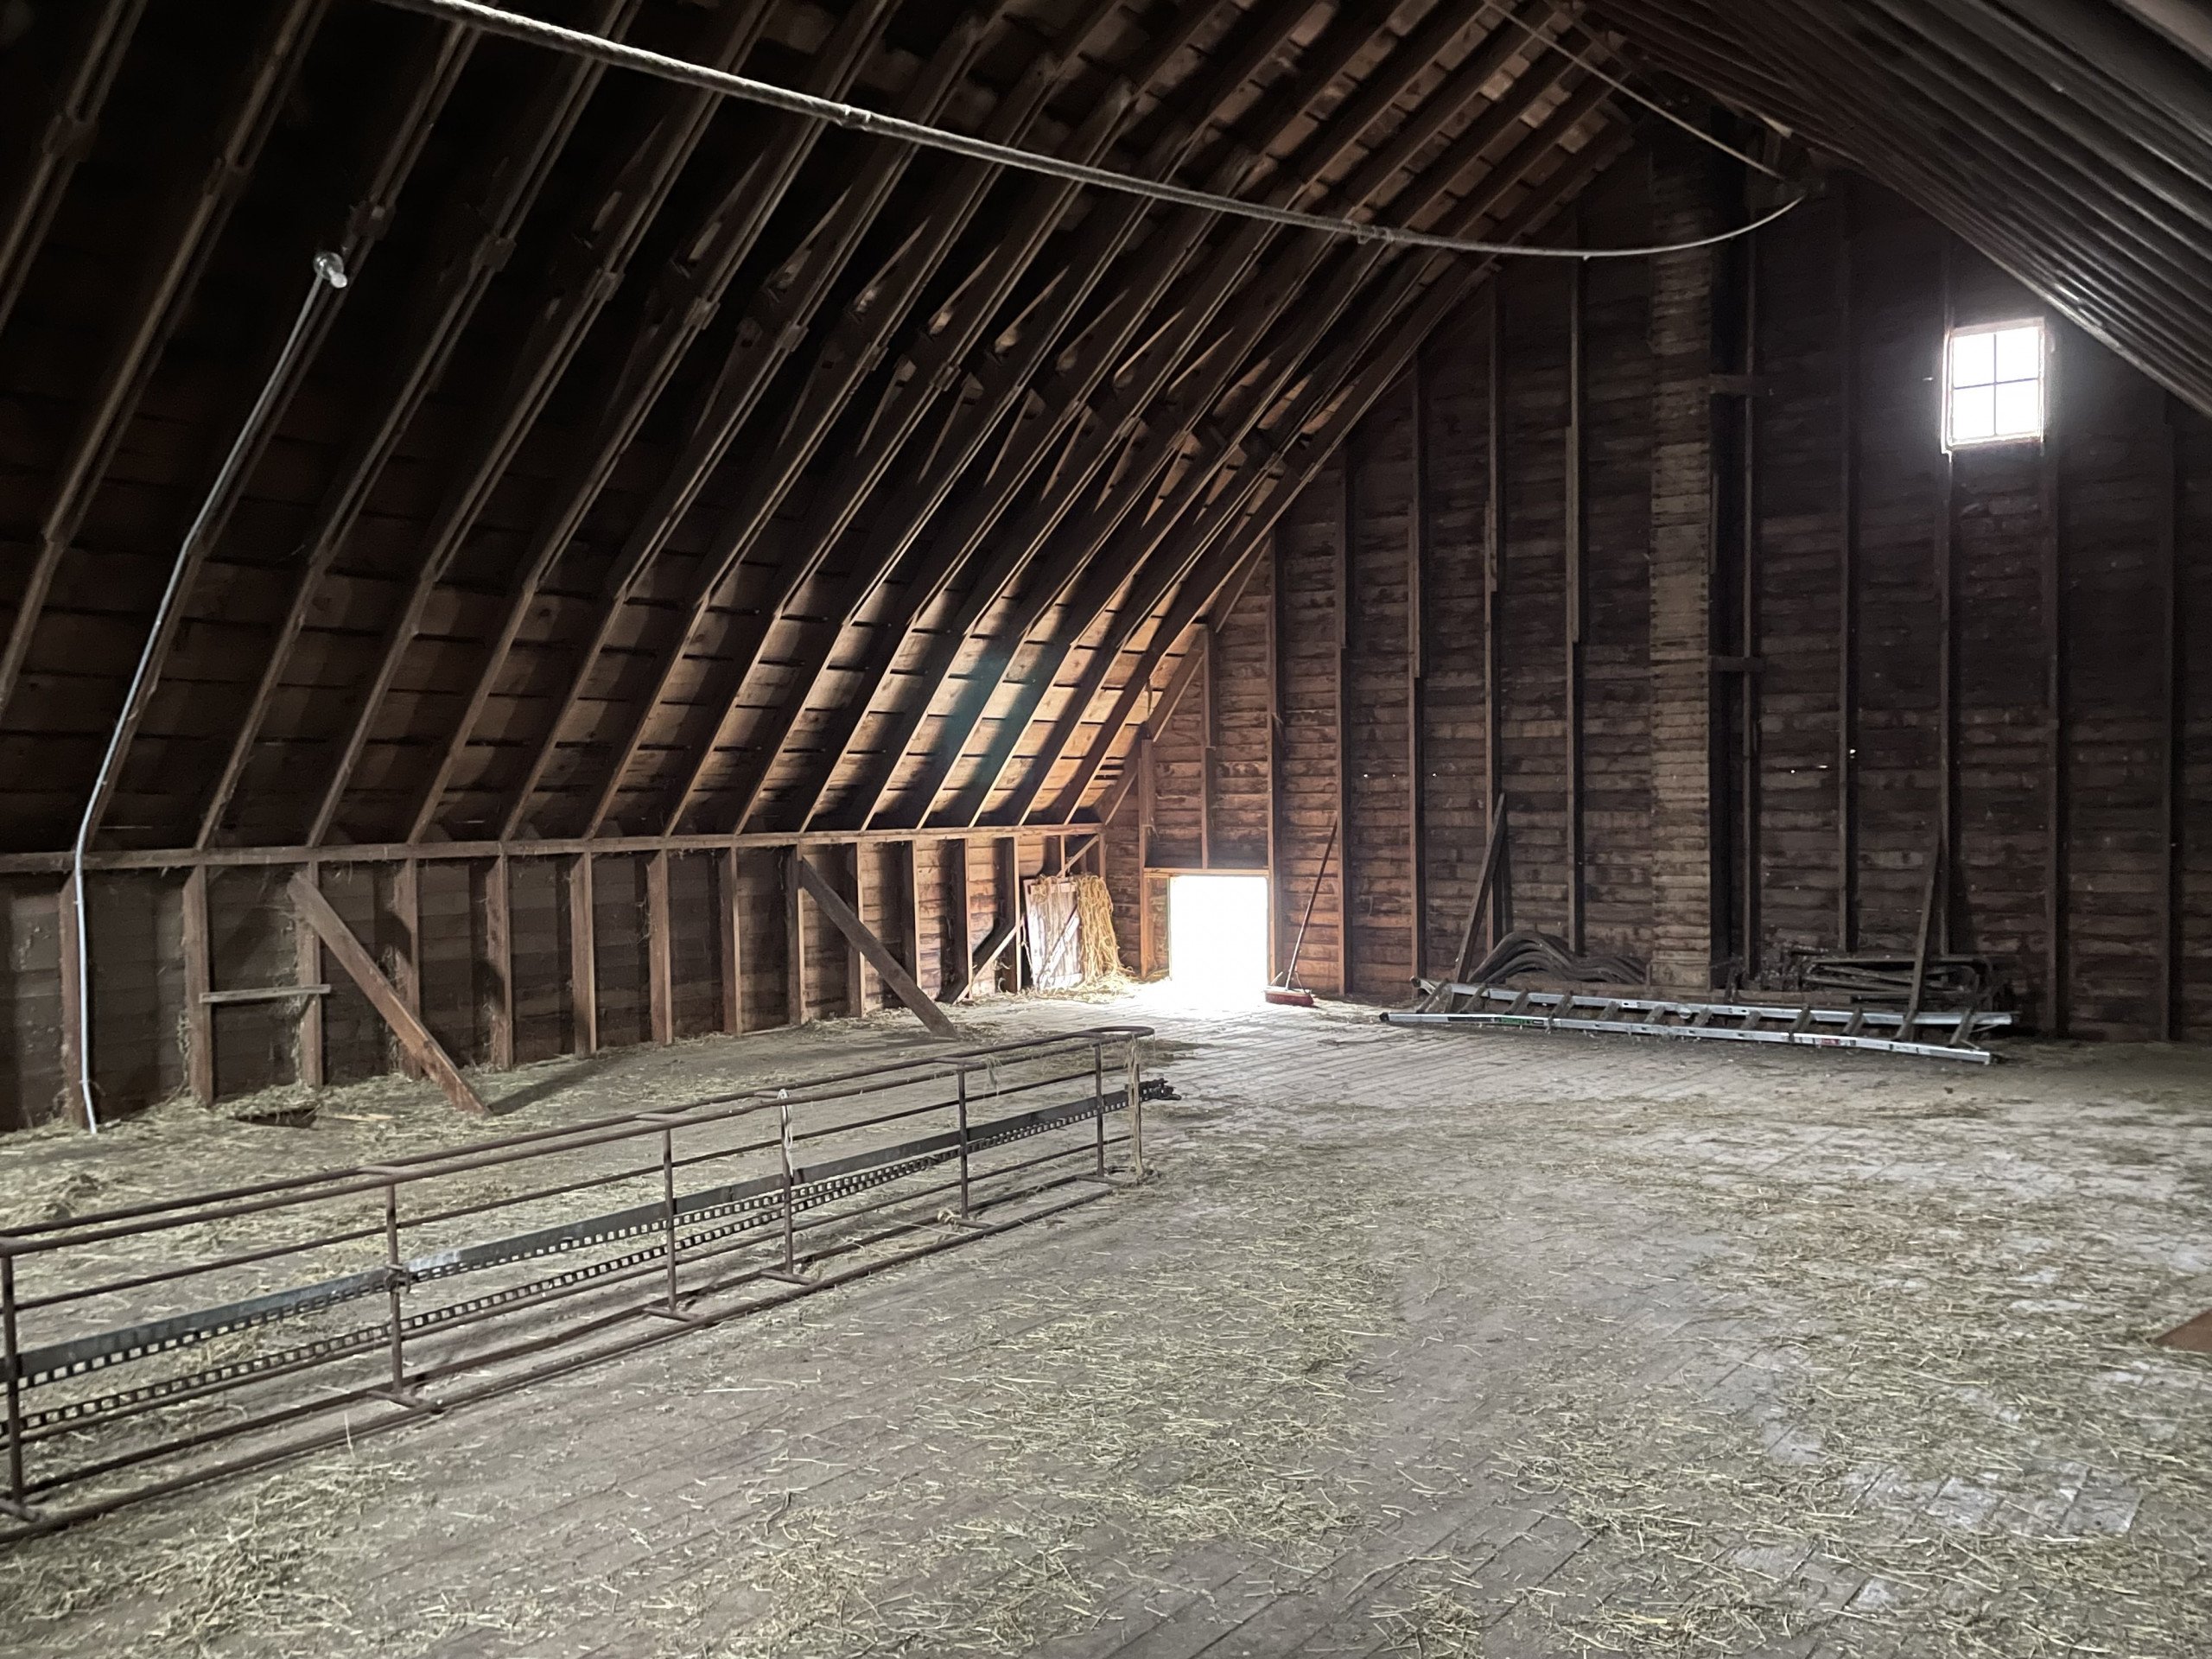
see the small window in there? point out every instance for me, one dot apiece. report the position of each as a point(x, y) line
point(1994, 384)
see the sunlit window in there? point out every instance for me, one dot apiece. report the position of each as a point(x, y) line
point(1994, 384)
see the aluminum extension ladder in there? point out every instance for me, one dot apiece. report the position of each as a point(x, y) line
point(1935, 1035)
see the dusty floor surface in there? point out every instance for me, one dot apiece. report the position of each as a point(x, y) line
point(1420, 1342)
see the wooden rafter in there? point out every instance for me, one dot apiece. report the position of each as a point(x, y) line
point(78, 91)
point(1100, 568)
point(217, 177)
point(424, 90)
point(1057, 405)
point(608, 227)
point(1235, 527)
point(477, 235)
point(1110, 232)
point(772, 328)
point(1163, 353)
point(908, 399)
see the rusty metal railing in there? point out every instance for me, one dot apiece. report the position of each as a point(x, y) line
point(152, 1347)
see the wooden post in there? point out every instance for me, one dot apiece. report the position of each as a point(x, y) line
point(794, 944)
point(1749, 836)
point(952, 977)
point(2167, 1023)
point(583, 957)
point(1347, 533)
point(1946, 580)
point(1417, 674)
point(73, 991)
point(198, 1016)
point(499, 952)
point(407, 958)
point(910, 874)
point(430, 1058)
point(1276, 923)
point(307, 954)
point(1147, 945)
point(862, 942)
point(1571, 666)
point(732, 938)
point(1847, 645)
point(2058, 863)
point(1008, 885)
point(1204, 646)
point(1494, 527)
point(660, 952)
point(857, 989)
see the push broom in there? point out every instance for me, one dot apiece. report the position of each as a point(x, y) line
point(1285, 993)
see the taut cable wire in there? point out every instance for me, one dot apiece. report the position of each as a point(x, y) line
point(617, 54)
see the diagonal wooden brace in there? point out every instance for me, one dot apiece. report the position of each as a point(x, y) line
point(899, 981)
point(352, 956)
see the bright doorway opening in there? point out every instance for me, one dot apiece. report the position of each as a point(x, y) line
point(1217, 938)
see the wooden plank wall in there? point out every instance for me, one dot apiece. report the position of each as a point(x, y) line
point(141, 1007)
point(2008, 650)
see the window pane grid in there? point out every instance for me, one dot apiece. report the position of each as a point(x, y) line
point(1994, 384)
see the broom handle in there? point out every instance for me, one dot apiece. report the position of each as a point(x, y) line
point(1311, 898)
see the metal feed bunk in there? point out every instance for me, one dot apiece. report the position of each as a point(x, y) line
point(267, 1347)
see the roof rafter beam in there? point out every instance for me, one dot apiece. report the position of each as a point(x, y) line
point(843, 363)
point(473, 241)
point(774, 326)
point(607, 228)
point(839, 359)
point(428, 82)
point(1159, 567)
point(79, 92)
point(679, 308)
point(905, 403)
point(1098, 571)
point(1297, 179)
point(1237, 523)
point(1005, 382)
point(208, 189)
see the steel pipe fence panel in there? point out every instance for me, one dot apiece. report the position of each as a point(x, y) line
point(151, 1347)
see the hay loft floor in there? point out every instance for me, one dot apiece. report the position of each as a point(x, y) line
point(1424, 1343)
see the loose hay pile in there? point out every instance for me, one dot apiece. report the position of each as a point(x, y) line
point(1907, 1407)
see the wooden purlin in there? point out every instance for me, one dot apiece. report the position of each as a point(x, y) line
point(839, 363)
point(427, 85)
point(1091, 561)
point(1156, 575)
point(905, 402)
point(1067, 394)
point(606, 230)
point(773, 327)
point(79, 91)
point(847, 360)
point(474, 239)
point(1229, 266)
point(208, 186)
point(1236, 527)
point(1007, 382)
point(684, 300)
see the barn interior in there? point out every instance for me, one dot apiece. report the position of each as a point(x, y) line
point(1106, 827)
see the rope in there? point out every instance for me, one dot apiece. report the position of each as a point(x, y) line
point(616, 55)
